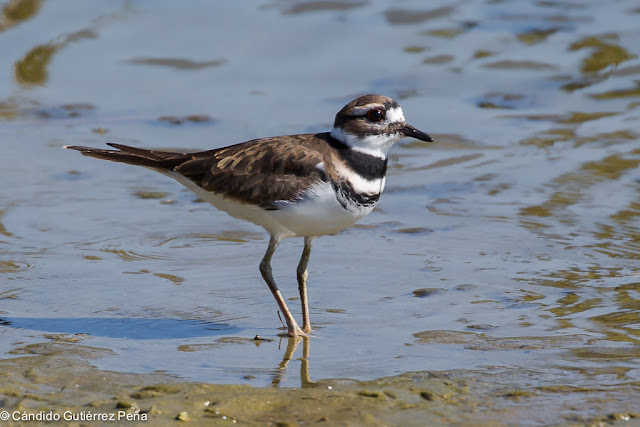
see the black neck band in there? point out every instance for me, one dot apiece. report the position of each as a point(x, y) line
point(368, 166)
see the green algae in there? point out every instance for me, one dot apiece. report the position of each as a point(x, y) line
point(18, 11)
point(144, 194)
point(509, 64)
point(536, 35)
point(176, 280)
point(447, 33)
point(603, 55)
point(32, 68)
point(479, 54)
point(414, 49)
point(572, 187)
point(619, 93)
point(21, 10)
point(438, 59)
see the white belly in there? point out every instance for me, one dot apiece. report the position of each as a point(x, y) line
point(316, 214)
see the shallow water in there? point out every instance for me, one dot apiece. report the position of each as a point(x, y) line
point(511, 242)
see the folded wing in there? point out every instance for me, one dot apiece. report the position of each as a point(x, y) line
point(256, 172)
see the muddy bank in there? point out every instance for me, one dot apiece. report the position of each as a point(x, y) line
point(57, 380)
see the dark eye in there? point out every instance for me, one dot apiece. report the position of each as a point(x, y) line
point(375, 115)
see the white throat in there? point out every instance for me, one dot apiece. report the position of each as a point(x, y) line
point(373, 145)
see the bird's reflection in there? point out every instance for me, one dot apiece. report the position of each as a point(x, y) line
point(292, 345)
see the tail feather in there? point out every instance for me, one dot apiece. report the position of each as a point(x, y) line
point(163, 160)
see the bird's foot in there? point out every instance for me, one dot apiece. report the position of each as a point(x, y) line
point(293, 330)
point(296, 331)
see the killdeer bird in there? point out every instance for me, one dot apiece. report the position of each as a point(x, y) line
point(304, 185)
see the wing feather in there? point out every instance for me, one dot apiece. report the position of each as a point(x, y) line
point(258, 172)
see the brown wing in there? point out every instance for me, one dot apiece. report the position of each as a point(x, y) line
point(260, 171)
point(257, 172)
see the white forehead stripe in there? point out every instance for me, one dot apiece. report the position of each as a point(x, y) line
point(395, 115)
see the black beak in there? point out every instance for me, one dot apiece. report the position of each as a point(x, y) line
point(415, 133)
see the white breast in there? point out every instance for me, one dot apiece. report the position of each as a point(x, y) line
point(315, 214)
point(318, 212)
